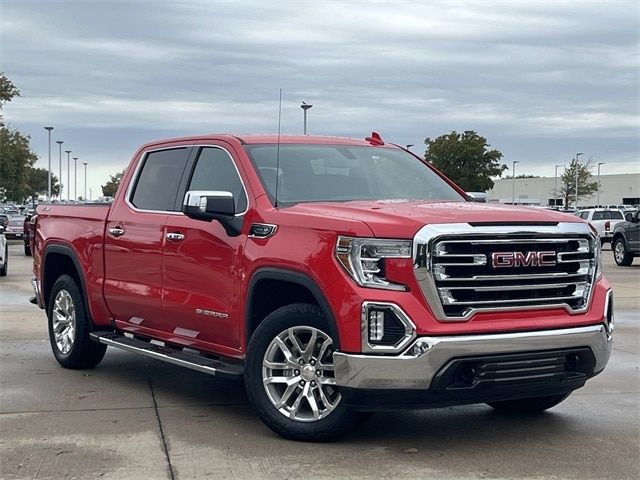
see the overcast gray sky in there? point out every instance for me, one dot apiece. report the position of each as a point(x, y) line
point(541, 80)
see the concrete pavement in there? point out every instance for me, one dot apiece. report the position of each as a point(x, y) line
point(137, 418)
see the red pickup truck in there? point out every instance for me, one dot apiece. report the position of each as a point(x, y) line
point(335, 276)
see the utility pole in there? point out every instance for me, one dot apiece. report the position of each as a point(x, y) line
point(85, 181)
point(75, 178)
point(60, 142)
point(555, 187)
point(577, 171)
point(513, 184)
point(599, 163)
point(48, 129)
point(304, 108)
point(68, 152)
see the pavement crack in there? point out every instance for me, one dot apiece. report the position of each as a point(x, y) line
point(162, 436)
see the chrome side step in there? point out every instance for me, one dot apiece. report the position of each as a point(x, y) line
point(170, 355)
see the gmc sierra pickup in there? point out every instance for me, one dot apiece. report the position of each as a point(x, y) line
point(335, 276)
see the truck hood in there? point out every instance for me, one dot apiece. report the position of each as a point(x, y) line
point(402, 219)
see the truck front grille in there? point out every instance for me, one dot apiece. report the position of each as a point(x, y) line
point(462, 273)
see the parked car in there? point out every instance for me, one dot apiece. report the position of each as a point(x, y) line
point(4, 220)
point(14, 229)
point(626, 239)
point(4, 253)
point(334, 276)
point(603, 220)
point(27, 228)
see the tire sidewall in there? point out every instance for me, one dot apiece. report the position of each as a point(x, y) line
point(332, 426)
point(624, 262)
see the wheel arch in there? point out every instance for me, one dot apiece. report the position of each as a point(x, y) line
point(58, 260)
point(267, 278)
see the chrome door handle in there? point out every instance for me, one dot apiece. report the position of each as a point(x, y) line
point(116, 231)
point(176, 237)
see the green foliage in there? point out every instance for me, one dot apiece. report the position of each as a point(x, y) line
point(16, 156)
point(39, 182)
point(586, 187)
point(465, 159)
point(111, 187)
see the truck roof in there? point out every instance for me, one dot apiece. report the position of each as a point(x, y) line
point(252, 139)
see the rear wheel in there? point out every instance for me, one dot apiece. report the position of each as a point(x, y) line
point(289, 376)
point(4, 268)
point(620, 254)
point(529, 405)
point(69, 327)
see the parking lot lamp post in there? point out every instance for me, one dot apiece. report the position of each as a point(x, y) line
point(75, 178)
point(60, 142)
point(599, 163)
point(48, 129)
point(577, 171)
point(555, 187)
point(68, 152)
point(513, 183)
point(304, 108)
point(85, 180)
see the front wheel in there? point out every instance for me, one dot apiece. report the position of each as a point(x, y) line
point(529, 405)
point(620, 254)
point(289, 376)
point(69, 327)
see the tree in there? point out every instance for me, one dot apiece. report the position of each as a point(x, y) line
point(16, 156)
point(39, 182)
point(465, 159)
point(586, 187)
point(111, 187)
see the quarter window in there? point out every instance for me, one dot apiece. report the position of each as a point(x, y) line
point(158, 182)
point(216, 171)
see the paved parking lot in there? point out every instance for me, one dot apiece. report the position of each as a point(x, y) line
point(137, 418)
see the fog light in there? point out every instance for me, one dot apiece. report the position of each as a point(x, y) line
point(376, 325)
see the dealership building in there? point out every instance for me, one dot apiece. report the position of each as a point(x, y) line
point(614, 190)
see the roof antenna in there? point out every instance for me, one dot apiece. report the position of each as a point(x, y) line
point(278, 148)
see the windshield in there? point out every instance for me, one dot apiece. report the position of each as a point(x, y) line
point(320, 173)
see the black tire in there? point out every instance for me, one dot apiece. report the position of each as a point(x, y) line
point(4, 268)
point(336, 424)
point(621, 255)
point(83, 353)
point(27, 249)
point(529, 405)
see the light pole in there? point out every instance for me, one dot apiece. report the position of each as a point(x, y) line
point(513, 184)
point(68, 152)
point(48, 129)
point(85, 181)
point(599, 163)
point(75, 178)
point(577, 170)
point(60, 142)
point(555, 187)
point(304, 108)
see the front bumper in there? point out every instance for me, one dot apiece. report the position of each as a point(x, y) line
point(417, 372)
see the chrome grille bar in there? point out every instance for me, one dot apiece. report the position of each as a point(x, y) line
point(456, 267)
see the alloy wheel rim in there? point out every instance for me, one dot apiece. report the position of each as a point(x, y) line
point(64, 322)
point(619, 251)
point(298, 374)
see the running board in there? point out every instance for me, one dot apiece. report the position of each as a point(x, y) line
point(170, 355)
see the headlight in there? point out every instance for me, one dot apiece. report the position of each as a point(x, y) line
point(364, 259)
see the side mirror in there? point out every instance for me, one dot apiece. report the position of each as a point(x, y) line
point(636, 217)
point(628, 217)
point(208, 205)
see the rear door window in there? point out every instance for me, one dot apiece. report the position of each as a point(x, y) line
point(158, 181)
point(598, 216)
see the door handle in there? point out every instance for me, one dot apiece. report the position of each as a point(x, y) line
point(116, 231)
point(175, 236)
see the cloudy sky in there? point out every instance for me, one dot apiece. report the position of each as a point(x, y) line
point(541, 80)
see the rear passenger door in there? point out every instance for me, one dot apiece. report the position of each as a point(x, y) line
point(134, 239)
point(201, 267)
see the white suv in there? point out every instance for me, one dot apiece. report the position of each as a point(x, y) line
point(603, 220)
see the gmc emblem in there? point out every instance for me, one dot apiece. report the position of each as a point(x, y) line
point(520, 259)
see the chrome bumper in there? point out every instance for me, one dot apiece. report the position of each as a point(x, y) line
point(410, 371)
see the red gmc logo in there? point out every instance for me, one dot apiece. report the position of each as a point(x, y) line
point(520, 259)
